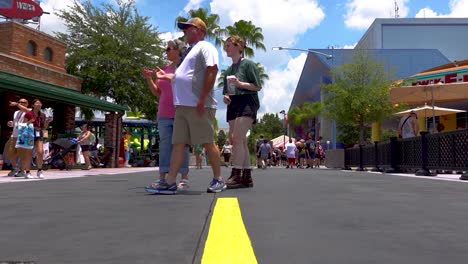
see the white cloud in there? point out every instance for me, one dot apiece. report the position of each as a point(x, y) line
point(166, 36)
point(51, 22)
point(361, 13)
point(426, 13)
point(193, 4)
point(458, 8)
point(279, 90)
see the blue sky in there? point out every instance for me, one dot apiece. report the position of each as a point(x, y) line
point(288, 23)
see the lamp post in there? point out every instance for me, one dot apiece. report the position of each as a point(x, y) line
point(327, 56)
point(284, 127)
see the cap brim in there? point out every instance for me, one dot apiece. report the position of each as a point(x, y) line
point(183, 25)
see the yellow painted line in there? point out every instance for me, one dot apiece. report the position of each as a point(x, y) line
point(228, 241)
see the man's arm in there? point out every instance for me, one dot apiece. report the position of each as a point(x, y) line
point(208, 84)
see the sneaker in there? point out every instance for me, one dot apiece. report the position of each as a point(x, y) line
point(40, 174)
point(216, 186)
point(183, 185)
point(162, 188)
point(13, 172)
point(29, 176)
point(20, 174)
point(154, 185)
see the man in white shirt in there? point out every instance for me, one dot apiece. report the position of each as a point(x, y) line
point(408, 126)
point(290, 150)
point(192, 85)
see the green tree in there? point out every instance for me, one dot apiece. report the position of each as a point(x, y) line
point(270, 125)
point(359, 94)
point(297, 115)
point(107, 47)
point(221, 139)
point(211, 21)
point(252, 35)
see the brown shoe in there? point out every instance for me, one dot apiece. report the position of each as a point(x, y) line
point(247, 178)
point(234, 181)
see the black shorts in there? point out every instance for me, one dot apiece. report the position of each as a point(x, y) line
point(85, 147)
point(227, 156)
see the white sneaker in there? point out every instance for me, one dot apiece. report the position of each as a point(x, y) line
point(29, 176)
point(40, 174)
point(183, 185)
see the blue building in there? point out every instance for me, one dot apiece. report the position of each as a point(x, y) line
point(401, 63)
point(405, 47)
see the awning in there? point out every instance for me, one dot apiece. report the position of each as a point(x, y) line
point(43, 90)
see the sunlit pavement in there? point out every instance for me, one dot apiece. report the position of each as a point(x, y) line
point(53, 174)
point(290, 216)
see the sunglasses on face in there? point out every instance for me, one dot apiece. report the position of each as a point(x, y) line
point(23, 102)
point(169, 49)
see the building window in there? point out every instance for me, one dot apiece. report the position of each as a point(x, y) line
point(32, 48)
point(48, 54)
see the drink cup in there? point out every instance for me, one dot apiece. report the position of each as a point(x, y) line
point(231, 88)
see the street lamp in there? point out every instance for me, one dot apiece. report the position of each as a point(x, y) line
point(327, 56)
point(284, 127)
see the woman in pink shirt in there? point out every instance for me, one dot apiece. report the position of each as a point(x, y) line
point(166, 111)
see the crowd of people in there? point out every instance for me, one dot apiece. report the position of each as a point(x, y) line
point(25, 147)
point(301, 154)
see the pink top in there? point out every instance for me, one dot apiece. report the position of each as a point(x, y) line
point(166, 102)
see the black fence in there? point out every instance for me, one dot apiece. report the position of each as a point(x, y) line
point(424, 155)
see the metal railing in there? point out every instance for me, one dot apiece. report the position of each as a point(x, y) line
point(424, 155)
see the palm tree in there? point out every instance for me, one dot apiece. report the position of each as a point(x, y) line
point(262, 73)
point(249, 32)
point(211, 21)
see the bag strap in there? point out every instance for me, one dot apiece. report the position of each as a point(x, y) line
point(402, 125)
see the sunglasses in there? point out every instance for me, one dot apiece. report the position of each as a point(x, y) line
point(169, 49)
point(23, 102)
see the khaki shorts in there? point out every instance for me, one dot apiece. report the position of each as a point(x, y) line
point(191, 128)
point(10, 146)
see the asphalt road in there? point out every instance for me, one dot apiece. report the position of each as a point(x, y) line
point(291, 216)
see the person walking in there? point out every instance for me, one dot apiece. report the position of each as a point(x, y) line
point(226, 151)
point(265, 152)
point(85, 141)
point(25, 143)
point(165, 116)
point(290, 150)
point(408, 126)
point(195, 104)
point(198, 152)
point(41, 122)
point(11, 150)
point(241, 86)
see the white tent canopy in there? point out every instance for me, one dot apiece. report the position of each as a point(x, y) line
point(280, 141)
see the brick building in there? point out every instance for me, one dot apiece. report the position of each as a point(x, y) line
point(32, 65)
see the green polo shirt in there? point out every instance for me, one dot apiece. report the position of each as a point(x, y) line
point(245, 71)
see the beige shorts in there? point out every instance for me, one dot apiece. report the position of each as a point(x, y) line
point(191, 128)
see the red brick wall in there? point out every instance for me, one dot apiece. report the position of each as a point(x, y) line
point(14, 57)
point(16, 40)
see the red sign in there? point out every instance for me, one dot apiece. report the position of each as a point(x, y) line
point(22, 9)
